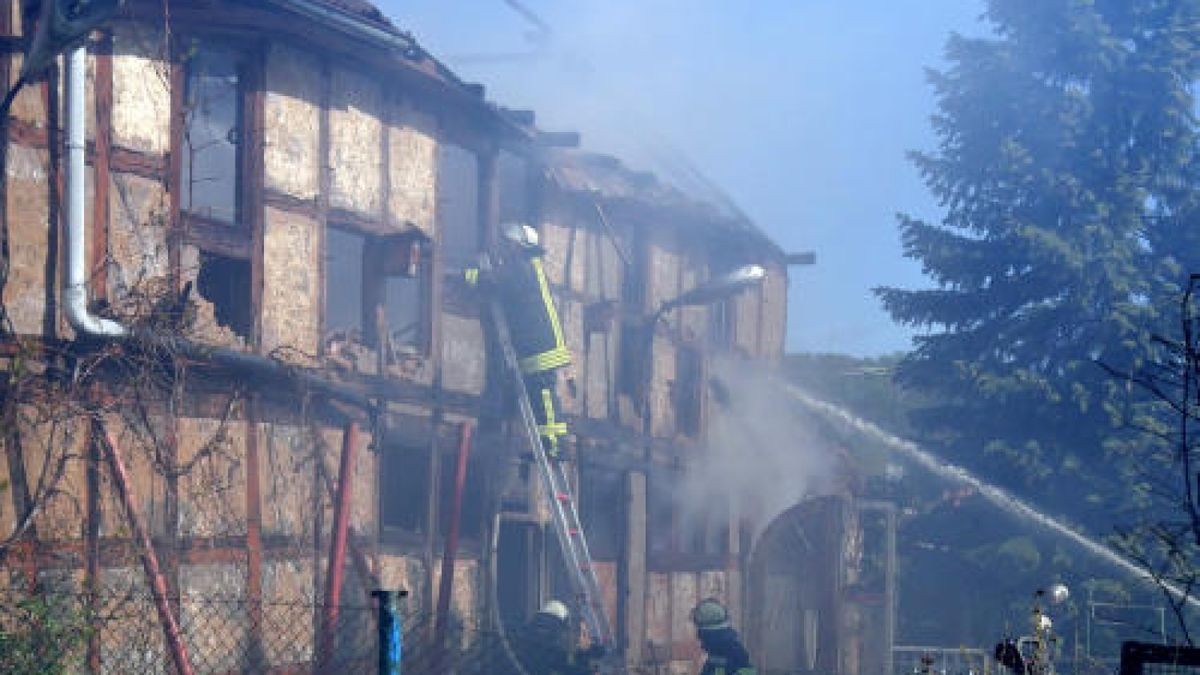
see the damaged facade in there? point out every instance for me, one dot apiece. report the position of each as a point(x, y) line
point(299, 182)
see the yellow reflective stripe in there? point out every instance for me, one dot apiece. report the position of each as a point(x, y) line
point(553, 430)
point(472, 276)
point(553, 358)
point(548, 301)
point(548, 406)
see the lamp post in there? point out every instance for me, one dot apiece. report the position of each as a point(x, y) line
point(725, 286)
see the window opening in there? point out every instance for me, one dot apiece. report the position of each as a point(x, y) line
point(660, 504)
point(601, 508)
point(344, 284)
point(404, 493)
point(225, 283)
point(458, 203)
point(406, 294)
point(632, 364)
point(514, 187)
point(721, 322)
point(688, 391)
point(212, 134)
point(633, 284)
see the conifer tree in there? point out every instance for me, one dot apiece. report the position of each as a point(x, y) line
point(1066, 167)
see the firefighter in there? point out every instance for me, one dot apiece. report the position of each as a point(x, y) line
point(547, 646)
point(725, 653)
point(518, 278)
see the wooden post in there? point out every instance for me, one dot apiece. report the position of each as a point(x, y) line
point(634, 592)
point(446, 587)
point(158, 584)
point(337, 544)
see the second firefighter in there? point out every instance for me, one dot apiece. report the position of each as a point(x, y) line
point(517, 276)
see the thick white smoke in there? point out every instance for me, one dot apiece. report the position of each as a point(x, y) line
point(761, 454)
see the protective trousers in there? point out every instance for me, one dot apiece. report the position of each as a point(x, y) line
point(543, 396)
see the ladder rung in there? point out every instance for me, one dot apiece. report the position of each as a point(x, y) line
point(557, 482)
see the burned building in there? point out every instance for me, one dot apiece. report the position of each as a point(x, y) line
point(278, 351)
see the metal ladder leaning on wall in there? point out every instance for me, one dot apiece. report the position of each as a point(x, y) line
point(563, 507)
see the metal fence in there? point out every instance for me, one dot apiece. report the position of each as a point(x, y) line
point(59, 632)
point(120, 632)
point(1143, 658)
point(941, 660)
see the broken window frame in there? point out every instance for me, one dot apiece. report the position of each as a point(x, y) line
point(379, 263)
point(708, 546)
point(688, 391)
point(459, 248)
point(356, 263)
point(232, 241)
point(246, 65)
point(399, 461)
point(602, 510)
point(416, 267)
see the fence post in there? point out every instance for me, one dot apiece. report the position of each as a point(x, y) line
point(391, 640)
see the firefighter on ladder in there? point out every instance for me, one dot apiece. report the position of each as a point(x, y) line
point(519, 279)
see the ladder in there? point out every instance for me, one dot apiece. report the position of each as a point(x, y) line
point(562, 501)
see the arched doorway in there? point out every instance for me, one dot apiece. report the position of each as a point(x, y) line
point(795, 581)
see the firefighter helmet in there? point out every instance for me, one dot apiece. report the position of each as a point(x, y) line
point(556, 610)
point(520, 234)
point(710, 614)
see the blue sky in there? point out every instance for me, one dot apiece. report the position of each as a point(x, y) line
point(801, 110)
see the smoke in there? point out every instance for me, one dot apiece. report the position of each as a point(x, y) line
point(761, 455)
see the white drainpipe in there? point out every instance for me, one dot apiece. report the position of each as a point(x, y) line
point(75, 289)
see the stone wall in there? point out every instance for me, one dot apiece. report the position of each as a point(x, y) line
point(292, 117)
point(412, 169)
point(291, 298)
point(355, 142)
point(27, 205)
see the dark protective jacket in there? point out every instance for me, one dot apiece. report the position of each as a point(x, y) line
point(542, 650)
point(726, 655)
point(537, 335)
point(519, 282)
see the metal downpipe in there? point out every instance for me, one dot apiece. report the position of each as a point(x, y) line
point(75, 288)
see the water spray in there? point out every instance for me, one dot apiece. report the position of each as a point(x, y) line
point(995, 495)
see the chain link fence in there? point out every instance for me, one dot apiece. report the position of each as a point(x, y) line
point(107, 632)
point(55, 631)
point(1142, 658)
point(942, 661)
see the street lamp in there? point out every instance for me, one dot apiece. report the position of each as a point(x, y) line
point(719, 288)
point(722, 287)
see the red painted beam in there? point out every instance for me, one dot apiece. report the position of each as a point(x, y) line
point(446, 587)
point(337, 544)
point(158, 584)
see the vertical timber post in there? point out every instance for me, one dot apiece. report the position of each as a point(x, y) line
point(446, 587)
point(158, 584)
point(635, 566)
point(91, 574)
point(337, 544)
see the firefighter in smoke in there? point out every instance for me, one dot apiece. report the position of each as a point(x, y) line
point(547, 646)
point(518, 278)
point(724, 650)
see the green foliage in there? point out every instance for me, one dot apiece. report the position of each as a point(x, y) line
point(42, 634)
point(1066, 167)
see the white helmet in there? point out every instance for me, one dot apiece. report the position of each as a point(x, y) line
point(520, 234)
point(556, 609)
